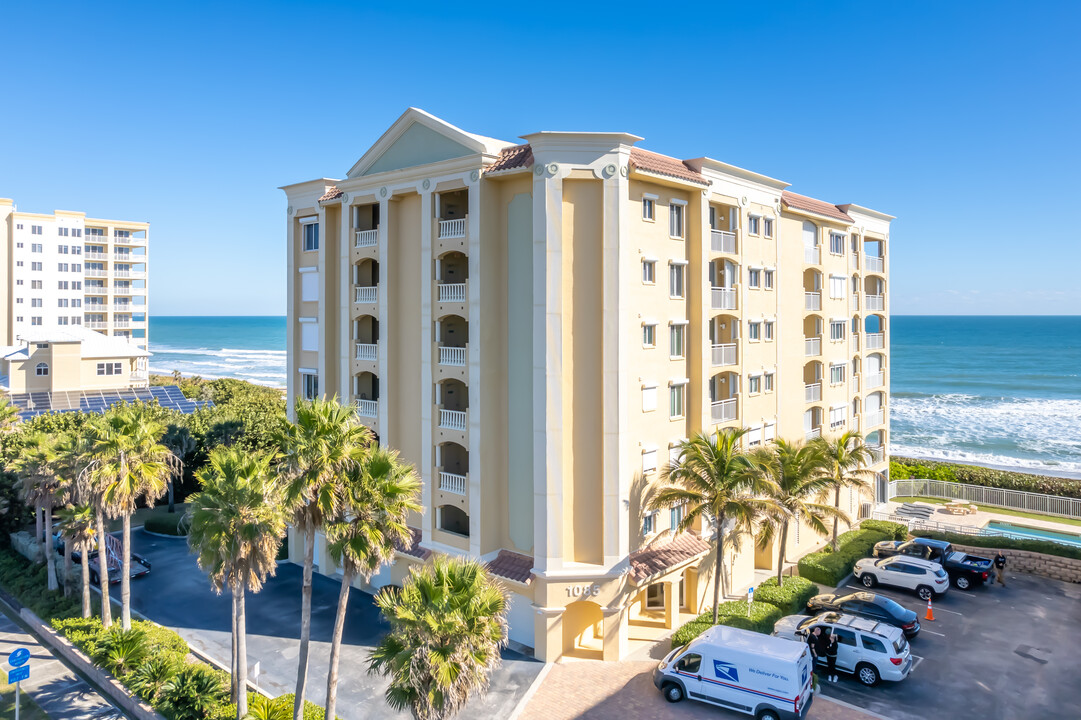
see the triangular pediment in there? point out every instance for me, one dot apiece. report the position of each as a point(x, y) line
point(417, 138)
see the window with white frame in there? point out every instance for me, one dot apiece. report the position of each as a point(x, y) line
point(676, 515)
point(838, 416)
point(754, 331)
point(676, 332)
point(41, 369)
point(753, 222)
point(309, 385)
point(767, 227)
point(675, 219)
point(837, 373)
point(311, 236)
point(767, 382)
point(110, 368)
point(35, 247)
point(837, 244)
point(675, 279)
point(837, 330)
point(675, 400)
point(35, 229)
point(754, 277)
point(767, 279)
point(649, 523)
point(754, 384)
point(769, 432)
point(649, 398)
point(649, 460)
point(712, 218)
point(648, 206)
point(649, 335)
point(309, 285)
point(767, 330)
point(649, 272)
point(309, 336)
point(837, 286)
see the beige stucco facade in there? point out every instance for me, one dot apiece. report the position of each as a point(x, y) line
point(535, 327)
point(74, 360)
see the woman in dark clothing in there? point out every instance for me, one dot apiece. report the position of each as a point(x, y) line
point(831, 657)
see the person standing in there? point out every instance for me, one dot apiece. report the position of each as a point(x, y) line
point(1000, 568)
point(831, 657)
point(814, 641)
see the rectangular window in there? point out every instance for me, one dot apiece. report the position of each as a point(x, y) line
point(675, 349)
point(767, 327)
point(754, 384)
point(61, 321)
point(309, 386)
point(675, 280)
point(35, 302)
point(77, 302)
point(675, 401)
point(62, 232)
point(62, 302)
point(62, 249)
point(767, 227)
point(649, 336)
point(649, 398)
point(35, 229)
point(752, 224)
point(35, 320)
point(837, 330)
point(311, 238)
point(76, 320)
point(754, 278)
point(675, 225)
point(649, 272)
point(754, 331)
point(649, 461)
point(675, 516)
point(767, 382)
point(837, 286)
point(767, 279)
point(76, 267)
point(649, 523)
point(76, 284)
point(35, 247)
point(35, 284)
point(648, 206)
point(838, 417)
point(837, 244)
point(76, 232)
point(837, 374)
point(110, 368)
point(62, 267)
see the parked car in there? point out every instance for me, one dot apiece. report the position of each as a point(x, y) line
point(871, 651)
point(966, 571)
point(740, 670)
point(139, 566)
point(868, 605)
point(927, 578)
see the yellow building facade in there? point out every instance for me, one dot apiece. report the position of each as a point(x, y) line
point(537, 326)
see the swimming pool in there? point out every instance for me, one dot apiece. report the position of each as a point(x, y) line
point(1025, 532)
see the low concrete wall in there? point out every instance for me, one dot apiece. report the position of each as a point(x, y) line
point(133, 706)
point(1032, 563)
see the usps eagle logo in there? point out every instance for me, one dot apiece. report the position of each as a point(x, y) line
point(725, 671)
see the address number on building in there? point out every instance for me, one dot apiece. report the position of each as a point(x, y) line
point(583, 590)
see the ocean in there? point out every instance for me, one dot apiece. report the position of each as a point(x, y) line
point(1000, 391)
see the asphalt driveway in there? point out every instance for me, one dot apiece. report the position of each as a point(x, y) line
point(176, 594)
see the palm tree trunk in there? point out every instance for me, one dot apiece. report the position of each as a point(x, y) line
point(38, 526)
point(85, 564)
point(305, 621)
point(241, 657)
point(336, 646)
point(68, 565)
point(232, 657)
point(125, 576)
point(50, 556)
point(103, 573)
point(720, 551)
point(837, 504)
point(718, 570)
point(172, 509)
point(780, 553)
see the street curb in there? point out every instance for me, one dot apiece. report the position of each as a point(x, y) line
point(533, 687)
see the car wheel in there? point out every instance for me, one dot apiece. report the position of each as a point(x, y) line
point(673, 693)
point(867, 674)
point(868, 580)
point(94, 579)
point(962, 582)
point(925, 592)
point(767, 714)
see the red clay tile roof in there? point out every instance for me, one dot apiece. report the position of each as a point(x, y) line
point(513, 566)
point(818, 207)
point(664, 165)
point(414, 548)
point(653, 560)
point(332, 193)
point(517, 156)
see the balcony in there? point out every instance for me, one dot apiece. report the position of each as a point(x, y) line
point(450, 229)
point(723, 410)
point(122, 307)
point(876, 341)
point(367, 295)
point(117, 290)
point(452, 419)
point(118, 323)
point(451, 292)
point(366, 238)
point(878, 452)
point(127, 258)
point(812, 393)
point(723, 298)
point(123, 273)
point(854, 384)
point(812, 347)
point(724, 355)
point(812, 301)
point(139, 376)
point(367, 351)
point(876, 302)
point(854, 261)
point(126, 240)
point(874, 418)
point(96, 324)
point(854, 343)
point(452, 356)
point(94, 272)
point(453, 483)
point(368, 408)
point(876, 380)
point(875, 264)
point(812, 433)
point(812, 255)
point(93, 255)
point(723, 241)
point(854, 303)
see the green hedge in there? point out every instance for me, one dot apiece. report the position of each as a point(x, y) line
point(762, 618)
point(830, 568)
point(167, 524)
point(790, 598)
point(28, 583)
point(986, 541)
point(906, 468)
point(896, 531)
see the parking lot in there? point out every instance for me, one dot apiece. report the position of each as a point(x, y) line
point(993, 653)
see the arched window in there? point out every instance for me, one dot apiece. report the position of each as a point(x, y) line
point(41, 369)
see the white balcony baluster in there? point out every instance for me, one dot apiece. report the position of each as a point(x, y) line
point(451, 292)
point(875, 380)
point(452, 228)
point(368, 408)
point(813, 433)
point(724, 355)
point(723, 410)
point(724, 298)
point(723, 241)
point(876, 302)
point(453, 483)
point(875, 264)
point(874, 419)
point(812, 392)
point(454, 356)
point(366, 238)
point(367, 351)
point(452, 419)
point(367, 294)
point(812, 300)
point(876, 341)
point(812, 347)
point(812, 255)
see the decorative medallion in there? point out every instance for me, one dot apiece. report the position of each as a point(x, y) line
point(383, 191)
point(345, 198)
point(475, 175)
point(624, 171)
point(552, 168)
point(539, 170)
point(609, 170)
point(426, 184)
point(743, 201)
point(289, 210)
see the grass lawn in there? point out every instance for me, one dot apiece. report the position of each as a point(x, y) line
point(997, 510)
point(142, 514)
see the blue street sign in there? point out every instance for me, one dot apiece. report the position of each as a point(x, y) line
point(19, 673)
point(18, 657)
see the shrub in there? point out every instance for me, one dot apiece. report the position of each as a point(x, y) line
point(311, 710)
point(161, 639)
point(790, 597)
point(148, 679)
point(904, 468)
point(167, 523)
point(121, 651)
point(83, 633)
point(28, 584)
point(194, 693)
point(896, 531)
point(264, 708)
point(830, 568)
point(987, 541)
point(761, 618)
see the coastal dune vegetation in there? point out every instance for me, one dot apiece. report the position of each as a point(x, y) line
point(902, 468)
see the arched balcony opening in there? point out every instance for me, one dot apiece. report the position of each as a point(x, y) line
point(452, 462)
point(724, 397)
point(366, 337)
point(453, 520)
point(812, 423)
point(452, 275)
point(723, 339)
point(812, 382)
point(812, 290)
point(452, 334)
point(366, 392)
point(874, 293)
point(453, 400)
point(875, 332)
point(723, 278)
point(812, 336)
point(366, 281)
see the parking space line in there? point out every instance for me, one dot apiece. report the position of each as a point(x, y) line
point(942, 609)
point(923, 629)
point(916, 664)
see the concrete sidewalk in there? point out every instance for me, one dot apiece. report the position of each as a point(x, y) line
point(56, 689)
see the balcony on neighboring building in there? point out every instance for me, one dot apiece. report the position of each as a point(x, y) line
point(874, 418)
point(812, 301)
point(723, 241)
point(368, 408)
point(875, 380)
point(453, 228)
point(95, 255)
point(724, 355)
point(366, 238)
point(812, 392)
point(453, 400)
point(812, 255)
point(453, 483)
point(452, 276)
point(876, 341)
point(453, 419)
point(854, 303)
point(875, 264)
point(723, 298)
point(812, 346)
point(95, 272)
point(723, 411)
point(876, 302)
point(128, 240)
point(452, 356)
point(366, 295)
point(96, 324)
point(367, 351)
point(121, 290)
point(451, 292)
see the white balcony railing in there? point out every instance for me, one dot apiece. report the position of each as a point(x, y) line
point(723, 410)
point(874, 418)
point(452, 419)
point(812, 300)
point(812, 255)
point(452, 483)
point(451, 292)
point(876, 302)
point(366, 238)
point(854, 303)
point(875, 380)
point(94, 272)
point(126, 258)
point(452, 228)
point(875, 264)
point(876, 341)
point(724, 241)
point(723, 298)
point(854, 342)
point(724, 355)
point(122, 307)
point(96, 324)
point(139, 375)
point(367, 351)
point(117, 323)
point(368, 408)
point(812, 347)
point(125, 240)
point(117, 290)
point(128, 273)
point(453, 356)
point(854, 261)
point(812, 433)
point(812, 392)
point(366, 295)
point(94, 255)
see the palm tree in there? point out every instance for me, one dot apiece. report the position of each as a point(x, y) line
point(70, 450)
point(316, 449)
point(127, 462)
point(78, 523)
point(179, 440)
point(798, 479)
point(9, 415)
point(40, 484)
point(446, 627)
point(715, 481)
point(847, 457)
point(379, 492)
point(238, 519)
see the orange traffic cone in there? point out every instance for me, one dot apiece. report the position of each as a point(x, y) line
point(930, 615)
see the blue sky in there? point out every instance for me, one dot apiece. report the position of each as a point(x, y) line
point(959, 118)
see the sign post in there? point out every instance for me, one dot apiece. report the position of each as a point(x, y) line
point(750, 599)
point(19, 671)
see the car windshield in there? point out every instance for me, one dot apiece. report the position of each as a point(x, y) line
point(890, 606)
point(900, 645)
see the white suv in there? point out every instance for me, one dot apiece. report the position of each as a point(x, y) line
point(927, 578)
point(871, 651)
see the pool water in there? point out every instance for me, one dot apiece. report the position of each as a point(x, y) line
point(1025, 532)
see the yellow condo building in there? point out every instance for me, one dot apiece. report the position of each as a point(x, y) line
point(537, 326)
